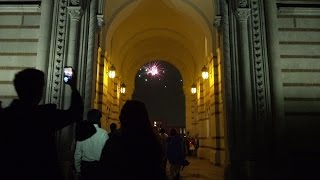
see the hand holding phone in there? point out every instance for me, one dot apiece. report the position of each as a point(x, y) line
point(67, 75)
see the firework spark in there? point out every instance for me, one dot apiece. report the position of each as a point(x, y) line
point(152, 69)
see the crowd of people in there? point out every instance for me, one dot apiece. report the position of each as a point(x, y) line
point(133, 151)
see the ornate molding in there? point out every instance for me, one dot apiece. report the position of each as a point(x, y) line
point(75, 12)
point(243, 14)
point(74, 2)
point(59, 53)
point(100, 21)
point(243, 3)
point(217, 21)
point(260, 62)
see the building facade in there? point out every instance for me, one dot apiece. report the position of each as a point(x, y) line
point(259, 105)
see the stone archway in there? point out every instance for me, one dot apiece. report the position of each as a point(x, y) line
point(181, 33)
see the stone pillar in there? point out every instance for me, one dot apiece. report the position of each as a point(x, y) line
point(275, 68)
point(44, 37)
point(91, 58)
point(246, 100)
point(67, 134)
point(278, 142)
point(246, 128)
point(75, 13)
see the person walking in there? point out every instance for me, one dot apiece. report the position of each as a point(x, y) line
point(28, 141)
point(176, 153)
point(89, 146)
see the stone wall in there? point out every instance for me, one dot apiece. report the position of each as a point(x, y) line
point(299, 41)
point(19, 32)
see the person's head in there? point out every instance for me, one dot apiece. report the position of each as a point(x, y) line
point(173, 132)
point(113, 127)
point(94, 116)
point(134, 117)
point(29, 85)
point(162, 131)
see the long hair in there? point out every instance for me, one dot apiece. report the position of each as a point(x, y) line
point(134, 118)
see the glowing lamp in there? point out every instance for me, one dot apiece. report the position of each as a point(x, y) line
point(112, 72)
point(193, 89)
point(123, 88)
point(205, 74)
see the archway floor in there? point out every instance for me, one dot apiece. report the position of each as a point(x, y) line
point(199, 169)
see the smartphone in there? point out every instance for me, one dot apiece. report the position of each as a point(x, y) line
point(67, 74)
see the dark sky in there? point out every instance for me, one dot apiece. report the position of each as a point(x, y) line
point(162, 94)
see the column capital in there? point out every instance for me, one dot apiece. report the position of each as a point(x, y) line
point(217, 21)
point(75, 2)
point(243, 14)
point(75, 12)
point(243, 3)
point(100, 21)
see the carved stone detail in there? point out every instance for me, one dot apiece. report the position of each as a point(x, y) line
point(59, 53)
point(75, 12)
point(75, 2)
point(243, 14)
point(100, 21)
point(217, 21)
point(243, 3)
point(260, 62)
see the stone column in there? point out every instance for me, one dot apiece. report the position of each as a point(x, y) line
point(44, 37)
point(91, 58)
point(245, 79)
point(275, 68)
point(66, 136)
point(75, 13)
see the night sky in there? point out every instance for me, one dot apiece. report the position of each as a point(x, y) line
point(162, 93)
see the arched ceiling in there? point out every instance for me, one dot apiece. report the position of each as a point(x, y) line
point(145, 30)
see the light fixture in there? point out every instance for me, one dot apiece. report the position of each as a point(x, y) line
point(193, 89)
point(123, 88)
point(112, 72)
point(205, 74)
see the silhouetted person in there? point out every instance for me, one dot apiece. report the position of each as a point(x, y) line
point(134, 151)
point(113, 128)
point(28, 130)
point(89, 146)
point(175, 153)
point(163, 137)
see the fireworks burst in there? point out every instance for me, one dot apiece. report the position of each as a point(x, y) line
point(152, 69)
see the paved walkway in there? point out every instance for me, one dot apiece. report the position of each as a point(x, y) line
point(200, 169)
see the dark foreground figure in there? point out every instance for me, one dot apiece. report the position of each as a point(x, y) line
point(27, 130)
point(134, 152)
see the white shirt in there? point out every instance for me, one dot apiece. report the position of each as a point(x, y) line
point(90, 149)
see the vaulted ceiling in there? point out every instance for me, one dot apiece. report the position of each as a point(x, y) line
point(140, 31)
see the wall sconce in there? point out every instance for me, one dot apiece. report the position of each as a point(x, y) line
point(193, 89)
point(123, 88)
point(112, 72)
point(205, 73)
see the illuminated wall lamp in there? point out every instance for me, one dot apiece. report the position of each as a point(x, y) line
point(193, 89)
point(123, 88)
point(112, 72)
point(205, 73)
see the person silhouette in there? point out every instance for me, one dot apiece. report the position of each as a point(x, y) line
point(164, 137)
point(113, 128)
point(134, 151)
point(28, 129)
point(89, 146)
point(175, 153)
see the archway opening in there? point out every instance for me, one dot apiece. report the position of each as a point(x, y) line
point(159, 85)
